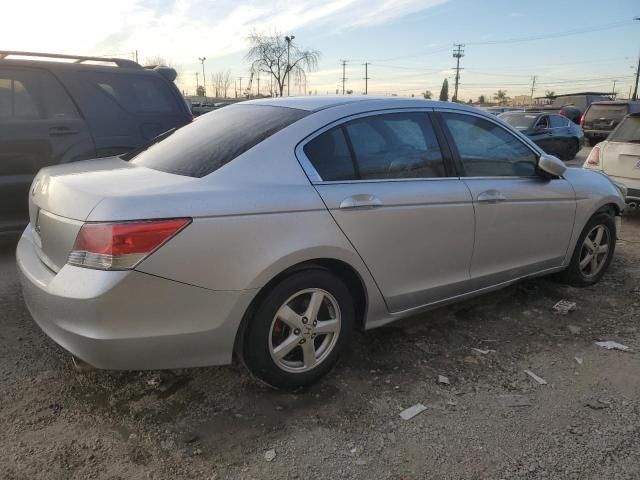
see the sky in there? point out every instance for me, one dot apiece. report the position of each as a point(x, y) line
point(568, 45)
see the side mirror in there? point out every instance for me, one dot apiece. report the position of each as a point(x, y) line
point(551, 165)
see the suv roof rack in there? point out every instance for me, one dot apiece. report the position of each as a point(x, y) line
point(120, 62)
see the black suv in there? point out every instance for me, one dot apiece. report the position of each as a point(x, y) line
point(602, 117)
point(59, 108)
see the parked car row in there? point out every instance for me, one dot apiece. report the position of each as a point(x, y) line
point(58, 108)
point(601, 118)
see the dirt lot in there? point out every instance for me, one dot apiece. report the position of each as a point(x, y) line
point(216, 423)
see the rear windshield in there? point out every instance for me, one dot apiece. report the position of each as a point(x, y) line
point(610, 112)
point(627, 131)
point(521, 121)
point(216, 138)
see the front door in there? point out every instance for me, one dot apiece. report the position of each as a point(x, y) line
point(523, 222)
point(39, 126)
point(385, 180)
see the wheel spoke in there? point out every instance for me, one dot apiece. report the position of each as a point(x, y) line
point(590, 245)
point(309, 354)
point(603, 248)
point(585, 261)
point(594, 264)
point(327, 326)
point(282, 350)
point(288, 316)
point(314, 306)
point(599, 234)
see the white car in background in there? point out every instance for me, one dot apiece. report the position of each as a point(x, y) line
point(619, 158)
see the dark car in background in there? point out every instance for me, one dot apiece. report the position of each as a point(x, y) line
point(571, 106)
point(552, 132)
point(602, 117)
point(58, 108)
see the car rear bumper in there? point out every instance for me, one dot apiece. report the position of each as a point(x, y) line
point(128, 320)
point(597, 133)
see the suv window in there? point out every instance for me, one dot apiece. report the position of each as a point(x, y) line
point(131, 93)
point(216, 138)
point(31, 93)
point(388, 146)
point(487, 149)
point(609, 111)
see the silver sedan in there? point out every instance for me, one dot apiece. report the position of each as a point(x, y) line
point(273, 229)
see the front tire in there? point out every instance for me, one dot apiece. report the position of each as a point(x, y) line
point(298, 329)
point(593, 253)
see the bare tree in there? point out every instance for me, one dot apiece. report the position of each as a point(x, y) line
point(155, 60)
point(268, 54)
point(221, 82)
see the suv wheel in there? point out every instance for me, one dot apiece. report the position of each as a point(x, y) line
point(593, 252)
point(298, 329)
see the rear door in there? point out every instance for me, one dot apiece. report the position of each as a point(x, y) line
point(392, 190)
point(39, 126)
point(523, 222)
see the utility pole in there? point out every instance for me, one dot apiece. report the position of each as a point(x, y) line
point(635, 89)
point(458, 53)
point(344, 78)
point(366, 77)
point(240, 78)
point(204, 78)
point(197, 83)
point(289, 39)
point(136, 56)
point(613, 90)
point(533, 86)
point(258, 80)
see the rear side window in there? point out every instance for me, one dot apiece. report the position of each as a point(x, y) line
point(608, 112)
point(215, 139)
point(487, 149)
point(131, 93)
point(383, 147)
point(628, 131)
point(33, 94)
point(558, 121)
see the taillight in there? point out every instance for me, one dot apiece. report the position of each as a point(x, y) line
point(593, 160)
point(121, 246)
point(582, 121)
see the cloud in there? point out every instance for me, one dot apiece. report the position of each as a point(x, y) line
point(181, 29)
point(516, 14)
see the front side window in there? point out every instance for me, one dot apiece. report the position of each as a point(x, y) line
point(543, 122)
point(380, 147)
point(216, 138)
point(487, 149)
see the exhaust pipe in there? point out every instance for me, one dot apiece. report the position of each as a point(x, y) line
point(80, 365)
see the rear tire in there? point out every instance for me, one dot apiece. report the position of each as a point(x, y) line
point(572, 149)
point(298, 329)
point(593, 252)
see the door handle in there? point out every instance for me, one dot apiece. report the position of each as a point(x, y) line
point(361, 200)
point(62, 131)
point(491, 196)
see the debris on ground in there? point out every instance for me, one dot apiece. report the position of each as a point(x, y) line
point(597, 404)
point(481, 351)
point(153, 382)
point(514, 401)
point(444, 380)
point(563, 307)
point(470, 360)
point(573, 329)
point(270, 455)
point(538, 379)
point(411, 412)
point(610, 345)
point(578, 360)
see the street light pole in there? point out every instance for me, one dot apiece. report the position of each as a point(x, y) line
point(635, 89)
point(288, 39)
point(204, 81)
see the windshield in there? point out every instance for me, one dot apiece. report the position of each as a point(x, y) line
point(609, 112)
point(521, 121)
point(216, 138)
point(628, 131)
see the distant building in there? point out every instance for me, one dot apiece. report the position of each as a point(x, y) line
point(520, 100)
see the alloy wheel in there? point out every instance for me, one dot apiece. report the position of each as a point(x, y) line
point(595, 251)
point(304, 330)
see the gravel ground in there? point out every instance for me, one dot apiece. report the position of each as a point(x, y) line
point(216, 423)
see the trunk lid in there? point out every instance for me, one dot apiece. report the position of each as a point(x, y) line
point(621, 159)
point(63, 197)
